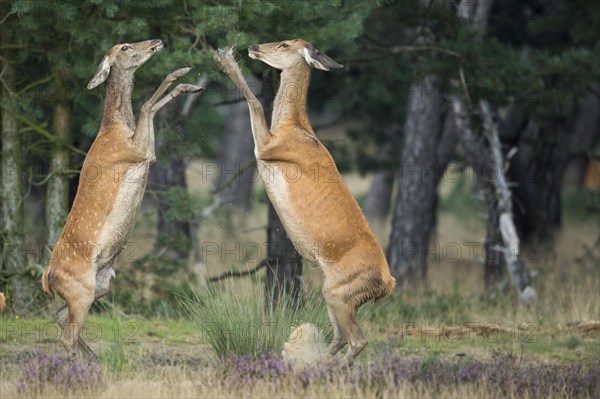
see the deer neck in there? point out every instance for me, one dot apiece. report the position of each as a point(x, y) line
point(290, 101)
point(117, 100)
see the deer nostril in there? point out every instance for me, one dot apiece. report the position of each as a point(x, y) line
point(157, 44)
point(253, 47)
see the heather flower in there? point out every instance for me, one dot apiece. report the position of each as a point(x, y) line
point(66, 375)
point(262, 368)
point(503, 375)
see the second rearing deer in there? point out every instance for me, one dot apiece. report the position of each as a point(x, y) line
point(111, 187)
point(317, 209)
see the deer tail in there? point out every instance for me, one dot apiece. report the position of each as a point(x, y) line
point(47, 287)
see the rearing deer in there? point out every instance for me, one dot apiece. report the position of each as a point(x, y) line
point(111, 187)
point(319, 213)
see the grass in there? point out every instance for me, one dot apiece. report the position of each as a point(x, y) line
point(218, 341)
point(143, 357)
point(504, 374)
point(233, 318)
point(115, 357)
point(578, 203)
point(176, 357)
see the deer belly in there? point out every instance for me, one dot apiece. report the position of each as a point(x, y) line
point(277, 186)
point(119, 222)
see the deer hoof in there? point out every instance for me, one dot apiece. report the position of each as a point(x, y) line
point(187, 88)
point(179, 73)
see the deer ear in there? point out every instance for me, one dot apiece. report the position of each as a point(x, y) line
point(101, 73)
point(319, 60)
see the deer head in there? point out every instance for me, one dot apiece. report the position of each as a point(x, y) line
point(288, 53)
point(126, 57)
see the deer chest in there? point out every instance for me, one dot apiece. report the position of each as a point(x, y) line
point(121, 218)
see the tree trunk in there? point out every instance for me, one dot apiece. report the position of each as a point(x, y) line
point(477, 156)
point(284, 263)
point(502, 246)
point(423, 160)
point(22, 289)
point(587, 126)
point(173, 236)
point(447, 144)
point(537, 168)
point(176, 239)
point(416, 182)
point(57, 191)
point(236, 163)
point(379, 197)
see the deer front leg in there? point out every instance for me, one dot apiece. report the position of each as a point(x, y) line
point(162, 89)
point(179, 89)
point(146, 122)
point(143, 138)
point(227, 63)
point(260, 128)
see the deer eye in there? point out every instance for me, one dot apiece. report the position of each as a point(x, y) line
point(284, 45)
point(125, 48)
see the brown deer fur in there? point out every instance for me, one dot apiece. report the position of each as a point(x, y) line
point(319, 213)
point(111, 186)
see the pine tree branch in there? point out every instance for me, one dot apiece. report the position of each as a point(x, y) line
point(53, 173)
point(229, 102)
point(405, 48)
point(6, 17)
point(230, 273)
point(4, 84)
point(40, 129)
point(35, 84)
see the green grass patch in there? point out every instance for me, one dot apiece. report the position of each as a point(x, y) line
point(456, 196)
point(580, 204)
point(234, 319)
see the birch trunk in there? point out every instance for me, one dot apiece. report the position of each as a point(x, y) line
point(502, 243)
point(511, 248)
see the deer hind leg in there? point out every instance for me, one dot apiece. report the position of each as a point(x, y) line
point(78, 300)
point(338, 341)
point(61, 317)
point(104, 279)
point(356, 341)
point(346, 317)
